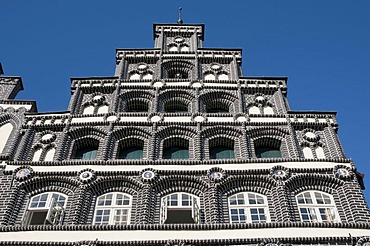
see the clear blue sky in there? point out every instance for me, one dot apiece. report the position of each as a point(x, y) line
point(322, 46)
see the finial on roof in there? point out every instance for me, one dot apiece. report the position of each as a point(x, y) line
point(179, 21)
point(1, 69)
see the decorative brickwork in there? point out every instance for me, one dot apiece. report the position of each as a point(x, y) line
point(182, 133)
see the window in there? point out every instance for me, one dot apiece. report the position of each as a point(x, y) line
point(221, 148)
point(217, 107)
point(113, 209)
point(137, 106)
point(175, 148)
point(131, 153)
point(248, 207)
point(267, 147)
point(316, 206)
point(175, 153)
point(179, 208)
point(46, 209)
point(177, 74)
point(221, 153)
point(131, 148)
point(88, 153)
point(175, 107)
point(268, 152)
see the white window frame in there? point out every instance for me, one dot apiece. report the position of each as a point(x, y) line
point(53, 208)
point(113, 208)
point(313, 208)
point(193, 206)
point(247, 208)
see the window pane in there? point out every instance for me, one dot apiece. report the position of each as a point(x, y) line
point(131, 153)
point(241, 199)
point(252, 198)
point(120, 216)
point(137, 106)
point(327, 214)
point(221, 153)
point(59, 199)
point(258, 215)
point(86, 153)
point(186, 200)
point(238, 216)
point(172, 200)
point(176, 153)
point(232, 200)
point(268, 152)
point(37, 218)
point(308, 215)
point(176, 107)
point(39, 201)
point(102, 217)
point(248, 208)
point(217, 110)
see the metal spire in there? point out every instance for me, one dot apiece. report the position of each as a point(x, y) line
point(179, 21)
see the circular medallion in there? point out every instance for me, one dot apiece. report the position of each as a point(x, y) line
point(279, 173)
point(23, 173)
point(216, 175)
point(148, 175)
point(86, 175)
point(343, 172)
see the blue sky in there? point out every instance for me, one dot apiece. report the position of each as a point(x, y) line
point(322, 46)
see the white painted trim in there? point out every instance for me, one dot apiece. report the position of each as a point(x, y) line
point(89, 119)
point(244, 166)
point(139, 235)
point(16, 106)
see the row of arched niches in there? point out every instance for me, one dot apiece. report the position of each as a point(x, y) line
point(278, 194)
point(181, 70)
point(181, 101)
point(171, 142)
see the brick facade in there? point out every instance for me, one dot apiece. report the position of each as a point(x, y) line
point(215, 105)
